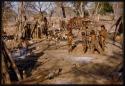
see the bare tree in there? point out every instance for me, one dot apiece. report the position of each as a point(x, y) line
point(38, 6)
point(21, 14)
point(62, 6)
point(80, 8)
point(7, 12)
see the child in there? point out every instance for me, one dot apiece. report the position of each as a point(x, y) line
point(94, 42)
point(84, 44)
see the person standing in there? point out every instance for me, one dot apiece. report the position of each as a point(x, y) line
point(45, 27)
point(102, 37)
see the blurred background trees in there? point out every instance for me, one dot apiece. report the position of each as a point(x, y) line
point(14, 10)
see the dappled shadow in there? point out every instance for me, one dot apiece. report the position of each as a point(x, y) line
point(114, 43)
point(95, 71)
point(27, 64)
point(116, 55)
point(31, 62)
point(41, 74)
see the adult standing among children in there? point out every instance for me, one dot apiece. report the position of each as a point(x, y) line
point(102, 37)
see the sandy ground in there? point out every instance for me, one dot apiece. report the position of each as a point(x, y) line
point(77, 67)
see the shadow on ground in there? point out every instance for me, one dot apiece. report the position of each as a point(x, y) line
point(26, 65)
point(94, 72)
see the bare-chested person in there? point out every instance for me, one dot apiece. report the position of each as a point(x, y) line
point(87, 34)
point(94, 42)
point(84, 44)
point(102, 37)
point(70, 40)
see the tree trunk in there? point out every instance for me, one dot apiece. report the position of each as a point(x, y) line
point(21, 18)
point(96, 9)
point(81, 9)
point(20, 9)
point(63, 11)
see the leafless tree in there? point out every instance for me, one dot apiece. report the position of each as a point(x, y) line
point(62, 6)
point(80, 8)
point(7, 12)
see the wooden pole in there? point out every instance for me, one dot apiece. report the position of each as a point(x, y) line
point(11, 60)
point(5, 73)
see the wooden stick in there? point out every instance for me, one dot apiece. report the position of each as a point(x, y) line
point(11, 60)
point(5, 74)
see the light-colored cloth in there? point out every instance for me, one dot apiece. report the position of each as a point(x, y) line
point(21, 53)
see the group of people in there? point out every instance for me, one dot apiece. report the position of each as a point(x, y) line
point(90, 40)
